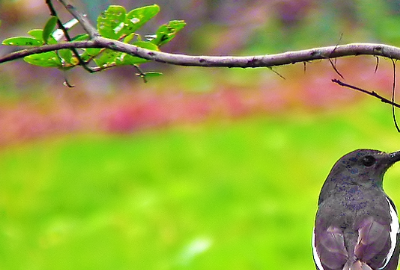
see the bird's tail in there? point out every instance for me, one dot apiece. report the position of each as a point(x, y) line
point(357, 265)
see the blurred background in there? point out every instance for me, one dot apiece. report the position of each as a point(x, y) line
point(201, 168)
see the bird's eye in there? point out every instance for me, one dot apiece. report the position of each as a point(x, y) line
point(368, 161)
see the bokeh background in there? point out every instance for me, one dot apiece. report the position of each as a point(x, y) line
point(202, 168)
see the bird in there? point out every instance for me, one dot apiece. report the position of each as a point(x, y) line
point(356, 224)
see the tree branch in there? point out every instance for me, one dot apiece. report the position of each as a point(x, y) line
point(269, 60)
point(260, 60)
point(47, 48)
point(372, 93)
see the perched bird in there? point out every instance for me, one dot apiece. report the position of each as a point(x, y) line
point(356, 226)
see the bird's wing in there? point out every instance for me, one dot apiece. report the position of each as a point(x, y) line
point(373, 243)
point(377, 239)
point(328, 248)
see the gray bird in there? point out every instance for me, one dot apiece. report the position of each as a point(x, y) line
point(356, 226)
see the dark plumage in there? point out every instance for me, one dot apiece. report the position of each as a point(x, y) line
point(356, 226)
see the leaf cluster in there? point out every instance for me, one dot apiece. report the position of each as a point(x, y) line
point(114, 23)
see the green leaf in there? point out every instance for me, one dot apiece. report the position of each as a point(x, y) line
point(136, 18)
point(127, 59)
point(129, 37)
point(107, 58)
point(22, 41)
point(47, 59)
point(49, 28)
point(110, 57)
point(89, 53)
point(51, 40)
point(66, 56)
point(80, 37)
point(146, 45)
point(152, 74)
point(92, 51)
point(112, 22)
point(36, 33)
point(166, 32)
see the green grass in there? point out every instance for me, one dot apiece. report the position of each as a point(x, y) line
point(221, 195)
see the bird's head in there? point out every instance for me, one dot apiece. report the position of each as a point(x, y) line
point(363, 167)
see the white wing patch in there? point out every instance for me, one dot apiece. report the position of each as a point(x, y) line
point(315, 254)
point(394, 230)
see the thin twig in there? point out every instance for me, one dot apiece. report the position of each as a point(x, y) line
point(86, 25)
point(372, 93)
point(337, 44)
point(67, 83)
point(377, 64)
point(140, 73)
point(277, 73)
point(393, 92)
point(335, 69)
point(333, 64)
point(53, 12)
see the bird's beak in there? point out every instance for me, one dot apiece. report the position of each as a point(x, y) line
point(394, 157)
